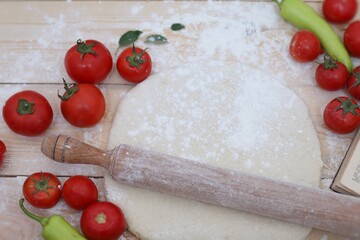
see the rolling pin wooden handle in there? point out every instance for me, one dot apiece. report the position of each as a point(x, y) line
point(284, 201)
point(65, 149)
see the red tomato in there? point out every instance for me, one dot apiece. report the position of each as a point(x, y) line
point(2, 152)
point(305, 46)
point(331, 75)
point(82, 105)
point(79, 192)
point(102, 221)
point(88, 62)
point(42, 189)
point(353, 84)
point(134, 64)
point(352, 38)
point(342, 115)
point(28, 113)
point(339, 11)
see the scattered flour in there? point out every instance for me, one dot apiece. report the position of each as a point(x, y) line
point(211, 33)
point(237, 31)
point(222, 31)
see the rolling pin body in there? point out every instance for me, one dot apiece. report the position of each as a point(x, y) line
point(284, 201)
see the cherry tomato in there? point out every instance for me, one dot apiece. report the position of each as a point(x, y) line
point(331, 75)
point(305, 46)
point(42, 189)
point(353, 84)
point(134, 64)
point(82, 105)
point(352, 38)
point(88, 62)
point(342, 115)
point(28, 113)
point(339, 11)
point(79, 192)
point(2, 152)
point(102, 221)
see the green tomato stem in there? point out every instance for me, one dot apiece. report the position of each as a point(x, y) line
point(329, 62)
point(25, 107)
point(135, 60)
point(347, 106)
point(84, 48)
point(70, 90)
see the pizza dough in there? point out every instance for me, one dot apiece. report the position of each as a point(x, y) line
point(224, 114)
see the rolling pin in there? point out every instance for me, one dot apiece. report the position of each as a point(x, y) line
point(307, 206)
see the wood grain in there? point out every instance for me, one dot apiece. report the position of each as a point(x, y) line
point(44, 30)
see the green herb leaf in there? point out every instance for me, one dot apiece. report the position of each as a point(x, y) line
point(129, 38)
point(156, 39)
point(177, 26)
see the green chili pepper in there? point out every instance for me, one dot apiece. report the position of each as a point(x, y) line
point(54, 227)
point(303, 16)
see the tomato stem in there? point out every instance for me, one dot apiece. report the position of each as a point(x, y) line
point(347, 106)
point(329, 62)
point(70, 90)
point(42, 184)
point(357, 80)
point(100, 218)
point(84, 48)
point(135, 60)
point(25, 107)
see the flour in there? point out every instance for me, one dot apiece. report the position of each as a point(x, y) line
point(136, 9)
point(253, 33)
point(249, 33)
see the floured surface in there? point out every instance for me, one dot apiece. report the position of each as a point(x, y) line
point(224, 114)
point(35, 35)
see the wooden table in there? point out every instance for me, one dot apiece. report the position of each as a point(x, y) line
point(34, 37)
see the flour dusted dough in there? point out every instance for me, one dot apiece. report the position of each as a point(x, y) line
point(224, 114)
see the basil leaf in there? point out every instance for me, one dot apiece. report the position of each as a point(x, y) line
point(177, 26)
point(156, 39)
point(129, 37)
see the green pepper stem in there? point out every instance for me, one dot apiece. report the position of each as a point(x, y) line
point(43, 221)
